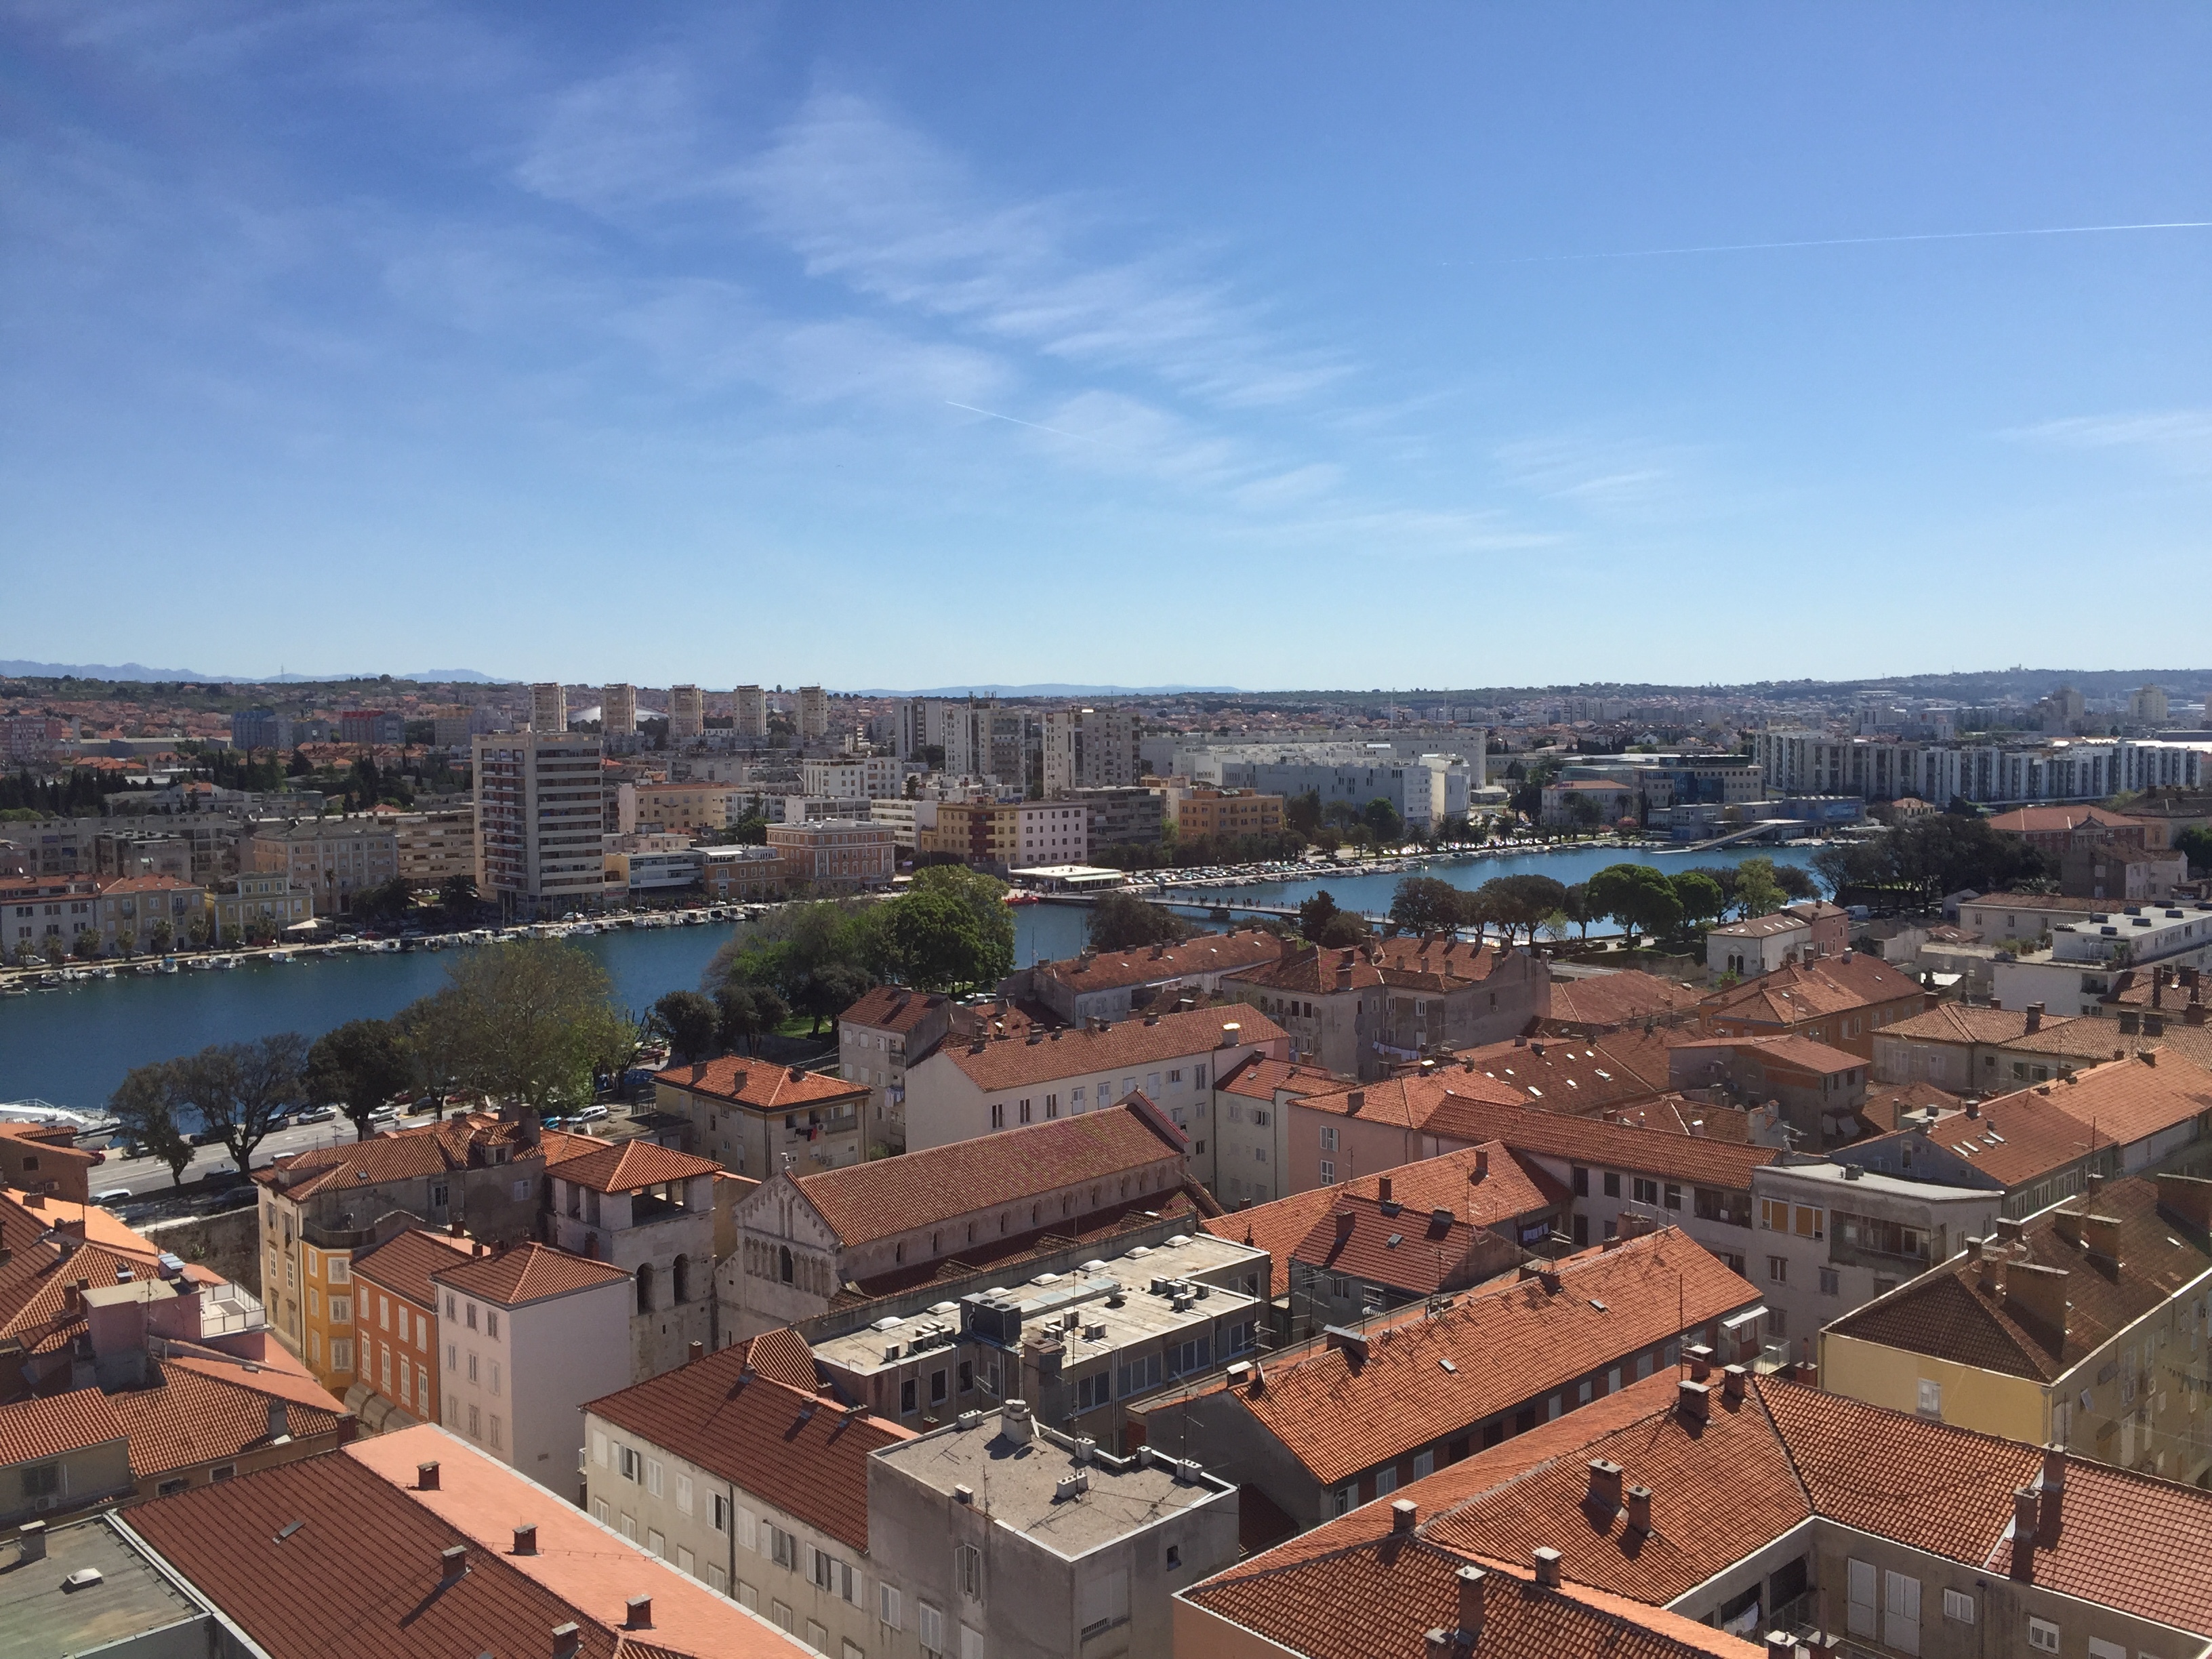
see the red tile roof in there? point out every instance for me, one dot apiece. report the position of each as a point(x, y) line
point(2013, 1139)
point(2058, 820)
point(782, 1356)
point(1957, 1313)
point(403, 1264)
point(1957, 1022)
point(624, 1166)
point(2129, 1100)
point(1201, 954)
point(1338, 1413)
point(528, 1272)
point(1803, 1054)
point(59, 1422)
point(1384, 1597)
point(891, 1008)
point(202, 1410)
point(361, 1576)
point(1408, 962)
point(759, 1086)
point(1609, 1002)
point(1803, 991)
point(1577, 1074)
point(397, 1155)
point(1010, 1062)
point(883, 1196)
point(790, 1446)
point(1277, 1228)
point(1258, 1078)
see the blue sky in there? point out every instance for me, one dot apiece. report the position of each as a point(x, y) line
point(1265, 345)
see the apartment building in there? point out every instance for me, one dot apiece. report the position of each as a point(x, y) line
point(319, 1207)
point(260, 728)
point(857, 777)
point(826, 856)
point(1885, 769)
point(395, 1309)
point(257, 907)
point(329, 859)
point(1221, 814)
point(877, 1038)
point(1091, 748)
point(1839, 1001)
point(687, 715)
point(735, 1470)
point(1075, 1551)
point(688, 809)
point(2086, 956)
point(1741, 1504)
point(802, 1237)
point(649, 1211)
point(748, 714)
point(1349, 1418)
point(549, 708)
point(2080, 1326)
point(754, 1117)
point(541, 820)
point(617, 712)
point(433, 848)
point(741, 872)
point(1361, 1011)
point(813, 710)
point(991, 1082)
point(373, 727)
point(1119, 815)
point(530, 1334)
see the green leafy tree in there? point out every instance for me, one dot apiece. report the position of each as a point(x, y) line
point(747, 1013)
point(458, 901)
point(1637, 896)
point(126, 941)
point(198, 931)
point(1422, 904)
point(1302, 813)
point(1518, 904)
point(1796, 882)
point(688, 1022)
point(86, 945)
point(930, 941)
point(1756, 892)
point(985, 899)
point(530, 1021)
point(357, 1067)
point(2196, 844)
point(163, 937)
point(386, 904)
point(1700, 897)
point(240, 1090)
point(149, 1113)
point(1578, 909)
point(1383, 821)
point(1122, 921)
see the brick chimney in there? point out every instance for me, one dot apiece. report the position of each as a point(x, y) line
point(1694, 1400)
point(1547, 1568)
point(2100, 1236)
point(640, 1609)
point(568, 1640)
point(1732, 1381)
point(1403, 1514)
point(1470, 1604)
point(426, 1477)
point(1640, 1508)
point(2051, 1511)
point(698, 1351)
point(1604, 1495)
point(1701, 1361)
point(2034, 1017)
point(526, 1539)
point(1382, 1189)
point(2130, 1022)
point(2037, 1294)
point(1481, 1164)
point(452, 1564)
point(1354, 1100)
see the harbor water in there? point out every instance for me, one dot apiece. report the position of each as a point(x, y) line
point(72, 1045)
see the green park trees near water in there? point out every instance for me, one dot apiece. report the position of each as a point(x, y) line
point(1643, 900)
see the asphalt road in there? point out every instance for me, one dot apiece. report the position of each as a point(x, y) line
point(149, 1176)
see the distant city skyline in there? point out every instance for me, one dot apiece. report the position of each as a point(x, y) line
point(1228, 345)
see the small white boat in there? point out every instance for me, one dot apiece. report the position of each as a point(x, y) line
point(280, 956)
point(225, 964)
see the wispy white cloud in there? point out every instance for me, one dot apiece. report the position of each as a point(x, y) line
point(1600, 473)
point(2179, 440)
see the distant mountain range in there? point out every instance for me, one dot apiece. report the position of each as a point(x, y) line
point(138, 671)
point(1054, 690)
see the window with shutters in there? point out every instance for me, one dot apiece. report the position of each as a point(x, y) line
point(968, 1570)
point(1861, 1612)
point(1958, 1607)
point(2042, 1635)
point(1102, 1603)
point(782, 1547)
point(971, 1642)
point(651, 1474)
point(929, 1624)
point(887, 1606)
point(683, 1493)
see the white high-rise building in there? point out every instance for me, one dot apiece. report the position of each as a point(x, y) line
point(1092, 748)
point(541, 819)
point(750, 715)
point(813, 713)
point(687, 715)
point(549, 707)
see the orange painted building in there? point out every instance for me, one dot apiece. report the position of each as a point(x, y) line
point(395, 1310)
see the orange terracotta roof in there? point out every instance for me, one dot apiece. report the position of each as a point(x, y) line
point(891, 1008)
point(529, 1272)
point(623, 1166)
point(1409, 1102)
point(1803, 1054)
point(1075, 1053)
point(1957, 1022)
point(1408, 962)
point(2129, 1100)
point(1201, 954)
point(790, 1446)
point(397, 1155)
point(1803, 991)
point(403, 1264)
point(1385, 1596)
point(1609, 1002)
point(782, 1356)
point(888, 1195)
point(59, 1422)
point(360, 1576)
point(1258, 1076)
point(1953, 1313)
point(202, 1411)
point(2012, 1140)
point(2060, 820)
point(1576, 1074)
point(1417, 1239)
point(1504, 1187)
point(759, 1086)
point(1593, 1141)
point(1338, 1413)
point(586, 1565)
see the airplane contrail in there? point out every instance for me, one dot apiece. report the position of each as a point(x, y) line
point(1844, 241)
point(1055, 431)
